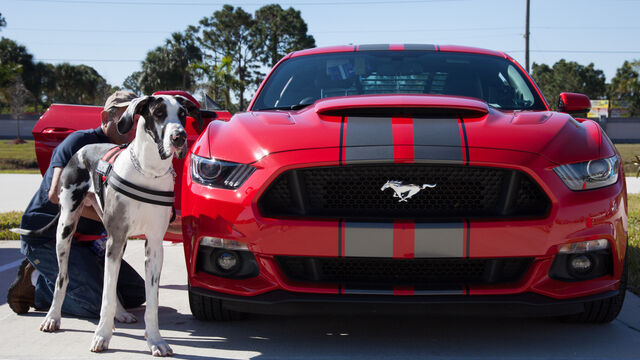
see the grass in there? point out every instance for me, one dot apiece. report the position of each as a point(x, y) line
point(634, 243)
point(20, 171)
point(9, 220)
point(17, 157)
point(628, 153)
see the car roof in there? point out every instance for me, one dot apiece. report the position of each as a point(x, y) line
point(396, 47)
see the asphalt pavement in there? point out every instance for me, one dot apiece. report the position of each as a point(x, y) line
point(311, 337)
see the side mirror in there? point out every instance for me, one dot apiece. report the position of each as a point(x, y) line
point(573, 103)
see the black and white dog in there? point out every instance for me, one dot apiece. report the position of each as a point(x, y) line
point(143, 171)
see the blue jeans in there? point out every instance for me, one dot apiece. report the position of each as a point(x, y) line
point(86, 274)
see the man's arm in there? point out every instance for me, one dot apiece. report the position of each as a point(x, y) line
point(55, 185)
point(87, 211)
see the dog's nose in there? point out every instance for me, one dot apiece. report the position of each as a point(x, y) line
point(178, 138)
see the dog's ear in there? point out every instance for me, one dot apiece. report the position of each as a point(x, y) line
point(125, 123)
point(192, 109)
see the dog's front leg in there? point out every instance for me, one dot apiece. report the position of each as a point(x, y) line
point(154, 254)
point(64, 234)
point(102, 336)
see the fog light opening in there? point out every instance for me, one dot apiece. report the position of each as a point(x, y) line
point(227, 261)
point(581, 264)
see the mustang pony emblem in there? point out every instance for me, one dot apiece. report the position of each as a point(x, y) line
point(404, 192)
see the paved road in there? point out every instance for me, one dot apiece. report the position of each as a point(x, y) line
point(313, 337)
point(16, 190)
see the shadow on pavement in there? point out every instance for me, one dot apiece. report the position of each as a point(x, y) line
point(388, 336)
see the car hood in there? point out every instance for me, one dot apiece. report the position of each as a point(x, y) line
point(410, 120)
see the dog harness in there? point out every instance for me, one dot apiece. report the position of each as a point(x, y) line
point(109, 177)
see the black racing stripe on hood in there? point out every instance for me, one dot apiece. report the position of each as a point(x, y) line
point(373, 47)
point(369, 138)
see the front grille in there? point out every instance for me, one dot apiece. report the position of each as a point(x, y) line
point(354, 192)
point(425, 273)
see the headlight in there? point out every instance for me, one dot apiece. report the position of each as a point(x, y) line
point(589, 175)
point(220, 174)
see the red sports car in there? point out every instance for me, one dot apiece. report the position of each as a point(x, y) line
point(413, 176)
point(396, 177)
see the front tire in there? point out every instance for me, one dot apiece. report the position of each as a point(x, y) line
point(205, 308)
point(603, 311)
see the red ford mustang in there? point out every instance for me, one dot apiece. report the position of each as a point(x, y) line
point(411, 177)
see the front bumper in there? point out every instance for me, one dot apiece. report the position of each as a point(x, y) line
point(573, 217)
point(281, 302)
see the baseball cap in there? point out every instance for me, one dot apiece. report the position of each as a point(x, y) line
point(119, 99)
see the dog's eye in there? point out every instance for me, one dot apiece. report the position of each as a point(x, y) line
point(158, 113)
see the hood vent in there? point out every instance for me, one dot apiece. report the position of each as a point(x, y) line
point(414, 112)
point(424, 106)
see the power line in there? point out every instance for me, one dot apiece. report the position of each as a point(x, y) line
point(343, 31)
point(89, 60)
point(580, 51)
point(90, 30)
point(508, 51)
point(219, 3)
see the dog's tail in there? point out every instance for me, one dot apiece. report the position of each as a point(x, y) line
point(38, 232)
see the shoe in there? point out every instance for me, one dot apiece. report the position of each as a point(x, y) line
point(21, 293)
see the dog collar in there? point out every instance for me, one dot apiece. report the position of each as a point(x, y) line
point(136, 165)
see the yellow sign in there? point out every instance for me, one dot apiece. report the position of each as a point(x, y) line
point(599, 108)
point(620, 109)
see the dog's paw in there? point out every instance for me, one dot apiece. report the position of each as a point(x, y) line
point(125, 317)
point(100, 343)
point(159, 347)
point(50, 324)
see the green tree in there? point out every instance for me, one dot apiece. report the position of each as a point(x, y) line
point(39, 81)
point(167, 67)
point(15, 60)
point(15, 56)
point(625, 85)
point(79, 84)
point(3, 22)
point(219, 81)
point(132, 82)
point(227, 33)
point(569, 76)
point(277, 32)
point(36, 77)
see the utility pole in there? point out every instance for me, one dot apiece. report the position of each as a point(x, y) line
point(526, 39)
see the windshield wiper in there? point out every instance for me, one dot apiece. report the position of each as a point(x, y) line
point(290, 107)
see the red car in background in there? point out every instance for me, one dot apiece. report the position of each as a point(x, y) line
point(403, 176)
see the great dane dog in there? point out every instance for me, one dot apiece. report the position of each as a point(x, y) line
point(143, 170)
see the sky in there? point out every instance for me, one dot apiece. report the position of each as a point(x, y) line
point(113, 36)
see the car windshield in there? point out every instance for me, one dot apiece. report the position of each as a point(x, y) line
point(300, 81)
